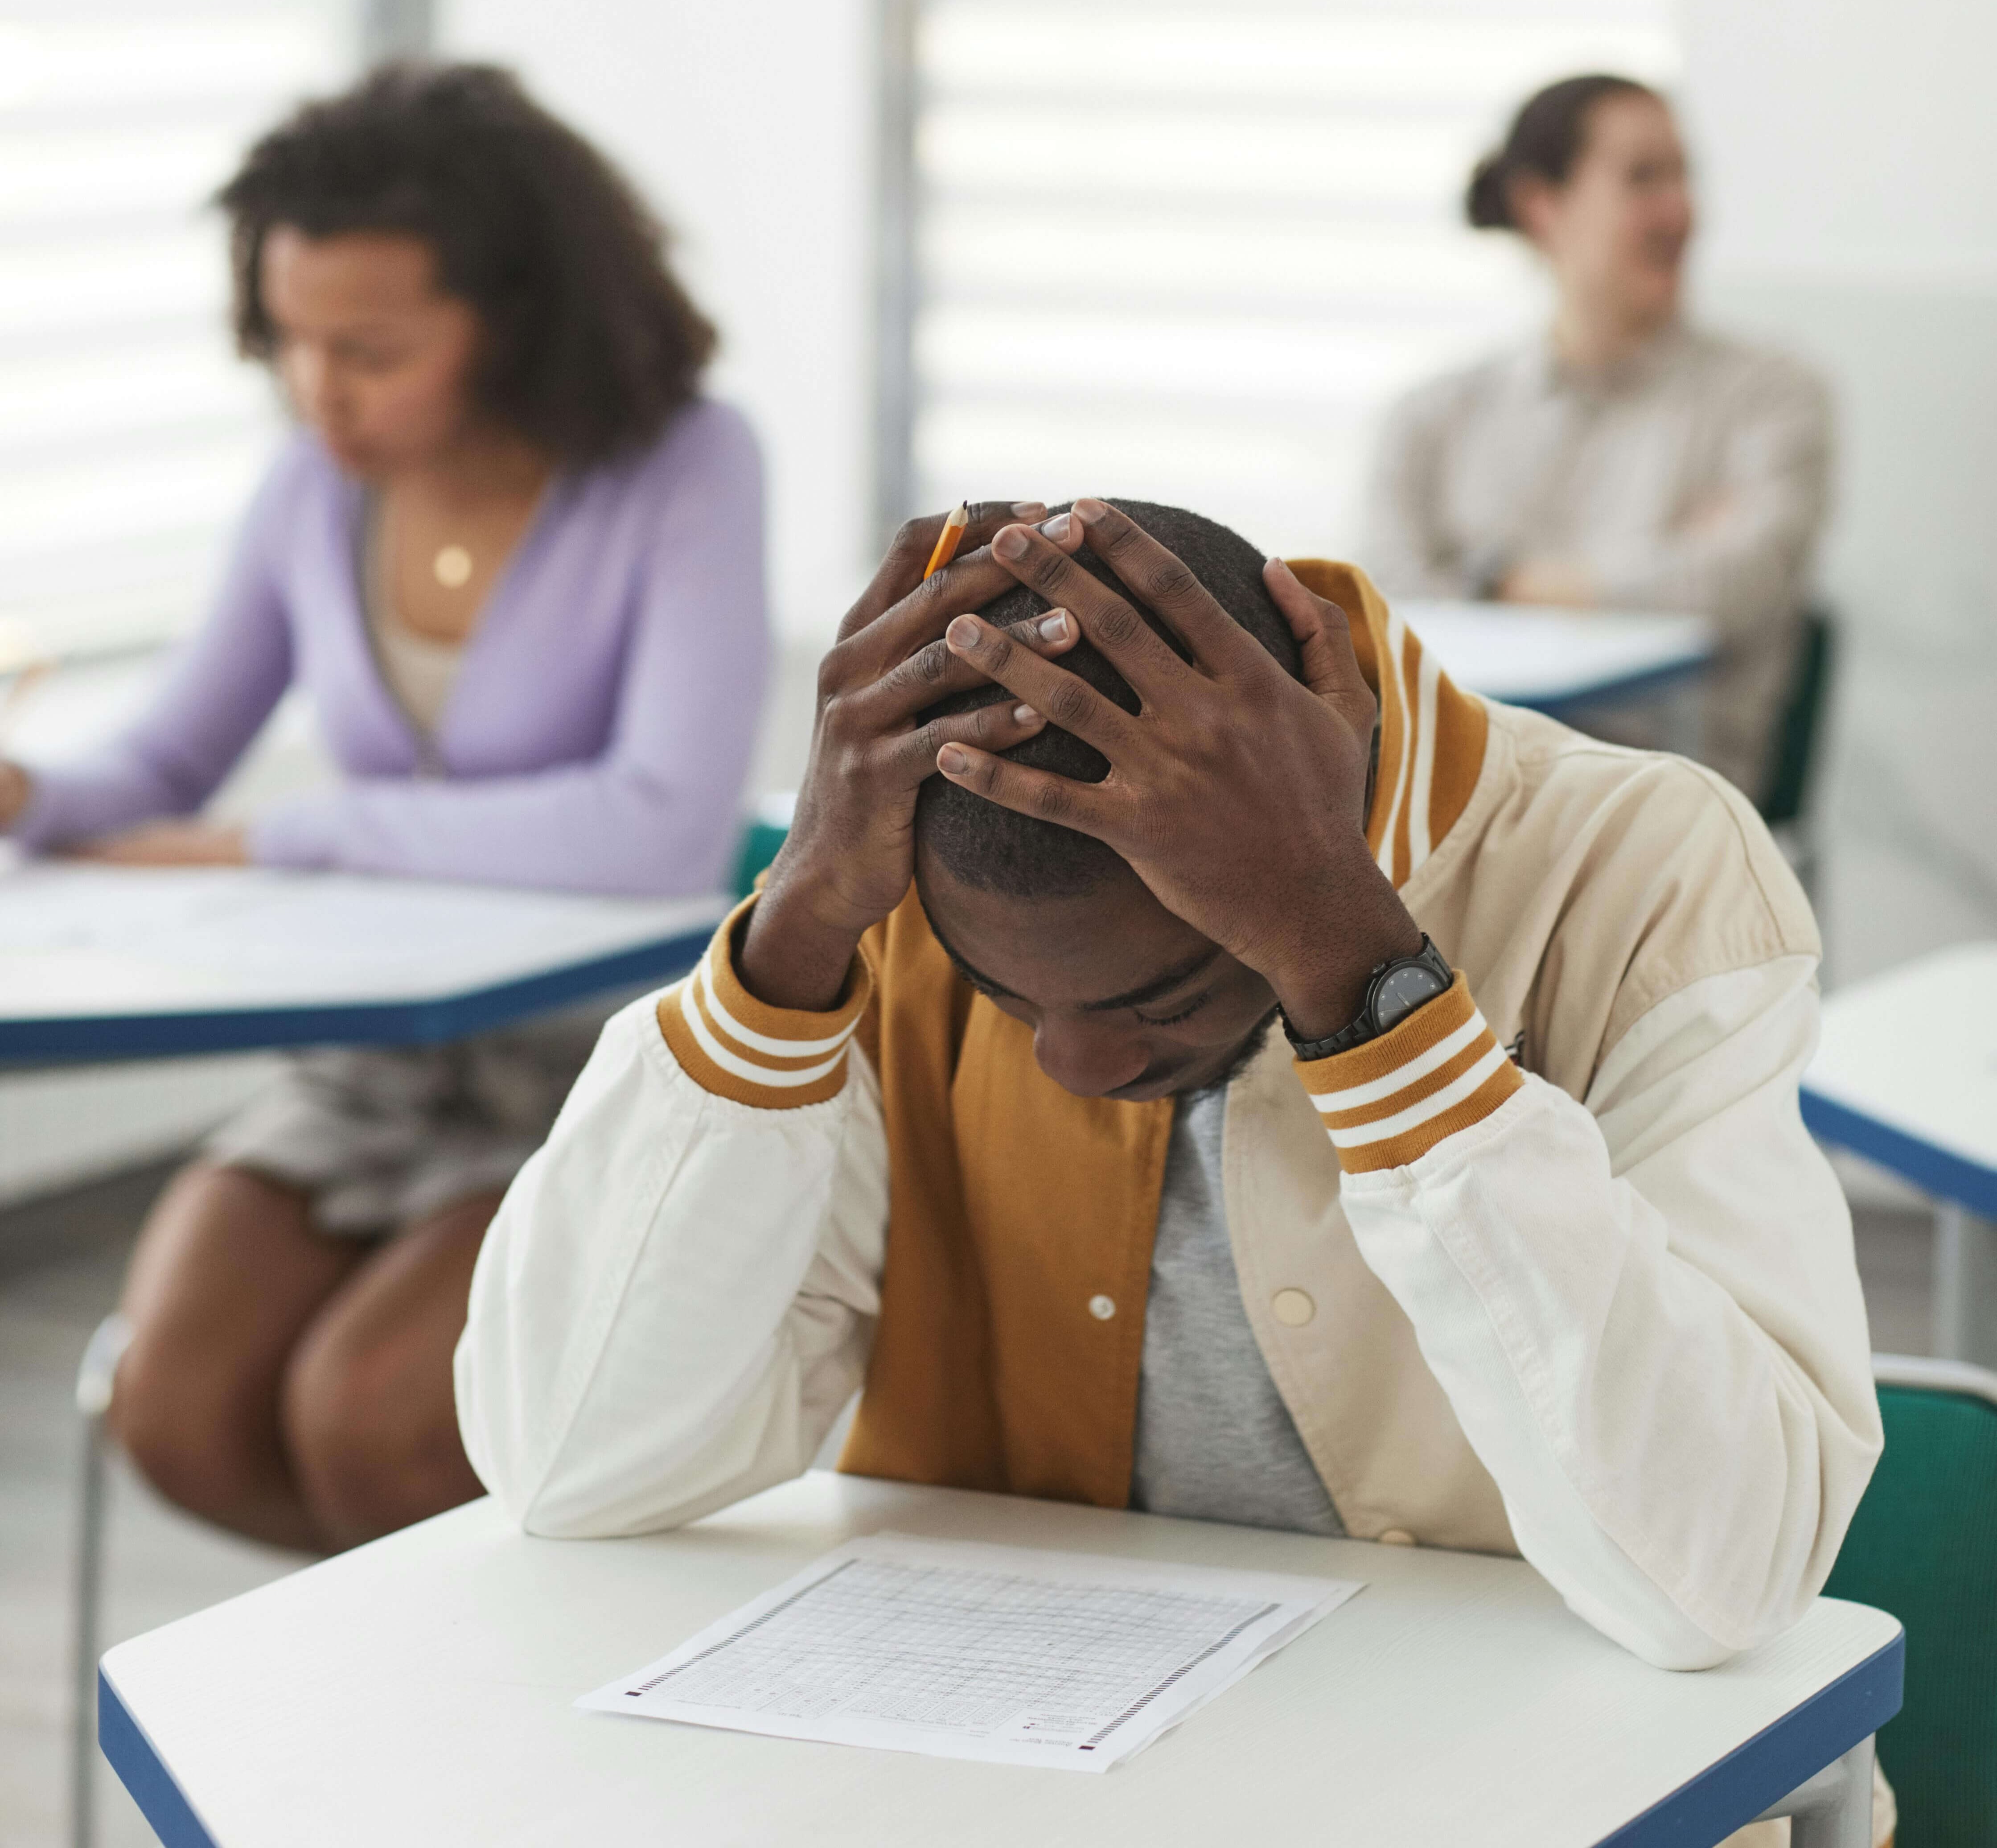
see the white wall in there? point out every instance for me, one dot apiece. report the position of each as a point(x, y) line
point(1848, 155)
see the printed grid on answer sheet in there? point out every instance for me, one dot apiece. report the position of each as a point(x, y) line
point(930, 1645)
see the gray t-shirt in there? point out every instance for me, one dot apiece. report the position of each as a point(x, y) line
point(1215, 1440)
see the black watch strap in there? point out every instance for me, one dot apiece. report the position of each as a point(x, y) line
point(1394, 990)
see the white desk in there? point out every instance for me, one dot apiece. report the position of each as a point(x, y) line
point(1905, 1075)
point(418, 1691)
point(99, 963)
point(102, 963)
point(1554, 660)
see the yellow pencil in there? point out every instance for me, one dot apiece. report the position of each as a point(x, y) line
point(948, 540)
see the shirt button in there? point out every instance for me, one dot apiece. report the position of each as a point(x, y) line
point(1397, 1536)
point(1102, 1307)
point(1293, 1308)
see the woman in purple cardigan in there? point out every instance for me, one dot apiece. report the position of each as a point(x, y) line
point(516, 561)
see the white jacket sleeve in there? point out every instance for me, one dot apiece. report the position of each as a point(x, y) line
point(1645, 1312)
point(677, 1296)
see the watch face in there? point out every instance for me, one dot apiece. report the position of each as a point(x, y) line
point(1403, 990)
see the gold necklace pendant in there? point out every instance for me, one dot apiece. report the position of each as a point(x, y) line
point(453, 567)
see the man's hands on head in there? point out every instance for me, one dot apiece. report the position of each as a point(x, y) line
point(1236, 793)
point(850, 855)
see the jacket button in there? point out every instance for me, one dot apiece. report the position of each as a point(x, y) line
point(1397, 1536)
point(1293, 1307)
point(1102, 1307)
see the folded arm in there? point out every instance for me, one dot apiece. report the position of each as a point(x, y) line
point(1741, 557)
point(1644, 1310)
point(678, 1295)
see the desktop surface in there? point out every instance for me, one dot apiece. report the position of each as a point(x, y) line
point(1906, 1073)
point(419, 1690)
point(110, 961)
point(1551, 659)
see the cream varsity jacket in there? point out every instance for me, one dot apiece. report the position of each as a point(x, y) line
point(1594, 1302)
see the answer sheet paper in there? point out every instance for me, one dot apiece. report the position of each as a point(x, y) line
point(1007, 1654)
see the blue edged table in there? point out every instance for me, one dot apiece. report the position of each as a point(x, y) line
point(1905, 1075)
point(417, 1693)
point(1561, 661)
point(105, 962)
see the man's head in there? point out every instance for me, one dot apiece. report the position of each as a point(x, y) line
point(1125, 1000)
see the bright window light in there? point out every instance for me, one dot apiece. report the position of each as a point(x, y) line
point(130, 437)
point(1189, 249)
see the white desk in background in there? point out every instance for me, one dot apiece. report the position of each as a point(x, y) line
point(111, 962)
point(417, 1694)
point(1905, 1075)
point(1556, 661)
point(105, 963)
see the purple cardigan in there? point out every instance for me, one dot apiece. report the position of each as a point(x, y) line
point(599, 735)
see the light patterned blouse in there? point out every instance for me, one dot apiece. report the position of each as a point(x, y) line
point(1692, 477)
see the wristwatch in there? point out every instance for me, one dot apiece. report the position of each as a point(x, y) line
point(1394, 990)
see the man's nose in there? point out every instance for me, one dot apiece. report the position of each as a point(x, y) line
point(1088, 1057)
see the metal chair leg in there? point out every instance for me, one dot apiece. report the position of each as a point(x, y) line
point(1965, 1285)
point(94, 1377)
point(1834, 1809)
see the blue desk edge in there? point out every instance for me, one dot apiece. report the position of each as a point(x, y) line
point(1764, 1769)
point(1628, 686)
point(1711, 1806)
point(427, 1022)
point(1936, 1171)
point(123, 1740)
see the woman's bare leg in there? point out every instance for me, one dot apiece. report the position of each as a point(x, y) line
point(227, 1274)
point(369, 1415)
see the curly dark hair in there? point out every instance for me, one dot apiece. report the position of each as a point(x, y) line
point(999, 850)
point(591, 342)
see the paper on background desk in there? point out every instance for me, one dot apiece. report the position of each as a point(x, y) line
point(1007, 1654)
point(83, 939)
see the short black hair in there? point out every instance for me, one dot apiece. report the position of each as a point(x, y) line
point(1020, 856)
point(591, 342)
point(1545, 140)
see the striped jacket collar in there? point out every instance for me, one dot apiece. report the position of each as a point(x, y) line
point(1432, 733)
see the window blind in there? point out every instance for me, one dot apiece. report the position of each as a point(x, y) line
point(1189, 251)
point(130, 434)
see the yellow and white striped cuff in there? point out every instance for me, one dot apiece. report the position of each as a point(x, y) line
point(737, 1047)
point(1389, 1102)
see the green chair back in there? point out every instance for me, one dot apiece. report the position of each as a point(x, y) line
point(1924, 1546)
point(1792, 753)
point(760, 842)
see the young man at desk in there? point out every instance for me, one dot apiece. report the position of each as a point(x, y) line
point(1388, 1129)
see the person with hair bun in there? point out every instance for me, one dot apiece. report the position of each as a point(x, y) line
point(1624, 459)
point(515, 558)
